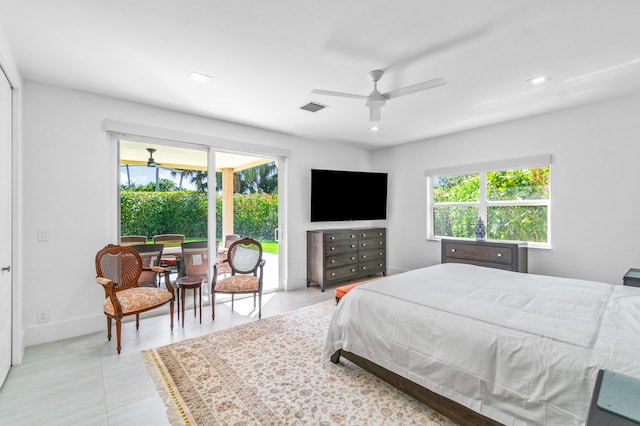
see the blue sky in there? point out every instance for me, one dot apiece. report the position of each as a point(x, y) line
point(142, 175)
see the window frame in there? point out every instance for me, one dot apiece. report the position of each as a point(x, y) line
point(483, 203)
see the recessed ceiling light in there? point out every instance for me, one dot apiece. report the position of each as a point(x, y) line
point(199, 77)
point(375, 128)
point(539, 80)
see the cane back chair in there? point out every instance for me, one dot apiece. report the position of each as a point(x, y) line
point(118, 270)
point(245, 260)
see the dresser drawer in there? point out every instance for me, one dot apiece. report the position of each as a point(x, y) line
point(332, 249)
point(371, 255)
point(372, 267)
point(340, 237)
point(511, 256)
point(491, 254)
point(341, 260)
point(378, 234)
point(370, 244)
point(342, 272)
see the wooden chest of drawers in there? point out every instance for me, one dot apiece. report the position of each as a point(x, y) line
point(341, 254)
point(494, 254)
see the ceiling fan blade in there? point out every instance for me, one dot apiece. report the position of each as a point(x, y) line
point(342, 94)
point(374, 113)
point(415, 88)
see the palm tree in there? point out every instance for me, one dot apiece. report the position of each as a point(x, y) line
point(198, 177)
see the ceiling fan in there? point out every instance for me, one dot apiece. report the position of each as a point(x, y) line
point(376, 100)
point(151, 162)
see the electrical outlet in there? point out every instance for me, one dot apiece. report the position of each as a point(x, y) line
point(42, 317)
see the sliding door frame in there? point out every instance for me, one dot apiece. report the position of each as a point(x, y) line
point(119, 130)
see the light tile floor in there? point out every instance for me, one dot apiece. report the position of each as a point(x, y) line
point(83, 381)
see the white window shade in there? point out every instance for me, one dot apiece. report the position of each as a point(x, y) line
point(511, 164)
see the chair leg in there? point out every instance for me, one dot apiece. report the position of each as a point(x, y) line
point(259, 304)
point(232, 301)
point(254, 300)
point(171, 311)
point(109, 328)
point(118, 327)
point(213, 306)
point(137, 321)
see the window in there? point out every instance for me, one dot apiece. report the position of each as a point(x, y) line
point(513, 201)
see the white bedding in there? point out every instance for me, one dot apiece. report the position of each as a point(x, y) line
point(518, 348)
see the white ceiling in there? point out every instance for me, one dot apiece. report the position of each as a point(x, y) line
point(266, 57)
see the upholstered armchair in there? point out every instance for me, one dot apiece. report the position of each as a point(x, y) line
point(118, 271)
point(244, 258)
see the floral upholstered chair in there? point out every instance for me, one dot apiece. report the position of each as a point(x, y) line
point(118, 270)
point(245, 260)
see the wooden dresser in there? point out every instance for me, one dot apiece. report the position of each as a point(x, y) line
point(341, 254)
point(511, 256)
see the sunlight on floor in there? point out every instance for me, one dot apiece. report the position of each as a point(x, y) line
point(245, 307)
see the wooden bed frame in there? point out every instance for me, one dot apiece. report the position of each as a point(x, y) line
point(453, 410)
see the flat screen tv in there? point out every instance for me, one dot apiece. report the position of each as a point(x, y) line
point(338, 195)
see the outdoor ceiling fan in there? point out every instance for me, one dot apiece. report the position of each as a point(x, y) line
point(151, 162)
point(376, 100)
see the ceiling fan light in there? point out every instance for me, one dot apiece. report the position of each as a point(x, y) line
point(374, 128)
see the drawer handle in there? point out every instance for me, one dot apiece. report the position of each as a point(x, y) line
point(499, 254)
point(333, 274)
point(333, 261)
point(353, 270)
point(379, 242)
point(380, 265)
point(333, 238)
point(364, 267)
point(364, 235)
point(380, 233)
point(353, 245)
point(353, 236)
point(380, 254)
point(333, 248)
point(364, 256)
point(364, 244)
point(353, 258)
point(453, 250)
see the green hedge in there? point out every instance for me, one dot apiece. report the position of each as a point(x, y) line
point(185, 212)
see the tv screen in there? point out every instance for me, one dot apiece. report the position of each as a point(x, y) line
point(343, 195)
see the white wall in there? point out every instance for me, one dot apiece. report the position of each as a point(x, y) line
point(594, 184)
point(66, 179)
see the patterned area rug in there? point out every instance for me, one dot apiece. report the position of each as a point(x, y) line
point(268, 372)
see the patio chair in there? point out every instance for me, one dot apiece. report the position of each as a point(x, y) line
point(245, 260)
point(171, 250)
point(222, 253)
point(192, 272)
point(118, 269)
point(129, 240)
point(151, 255)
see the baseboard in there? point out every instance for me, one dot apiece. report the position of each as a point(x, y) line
point(50, 332)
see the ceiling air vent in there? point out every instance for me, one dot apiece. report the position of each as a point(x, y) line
point(313, 107)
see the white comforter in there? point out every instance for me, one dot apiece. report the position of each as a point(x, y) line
point(518, 348)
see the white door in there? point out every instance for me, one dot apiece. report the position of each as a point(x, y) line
point(5, 226)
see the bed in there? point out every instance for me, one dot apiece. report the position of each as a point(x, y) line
point(486, 346)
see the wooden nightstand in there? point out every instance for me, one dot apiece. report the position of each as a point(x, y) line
point(632, 277)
